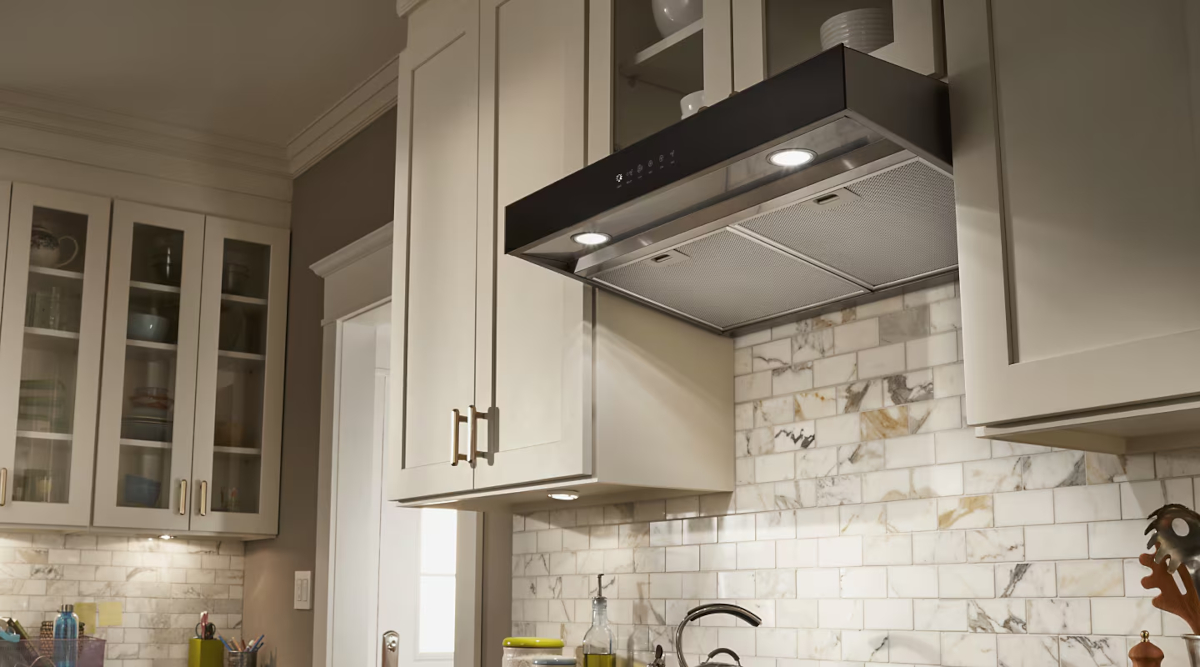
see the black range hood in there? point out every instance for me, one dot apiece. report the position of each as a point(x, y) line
point(713, 221)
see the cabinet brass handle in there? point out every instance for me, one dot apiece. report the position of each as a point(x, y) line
point(183, 497)
point(204, 497)
point(473, 432)
point(3, 487)
point(455, 420)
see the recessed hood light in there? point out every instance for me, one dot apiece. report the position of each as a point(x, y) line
point(591, 238)
point(791, 157)
point(567, 494)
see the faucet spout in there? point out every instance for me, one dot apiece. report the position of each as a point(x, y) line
point(707, 610)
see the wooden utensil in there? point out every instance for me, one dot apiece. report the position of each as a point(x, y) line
point(1185, 605)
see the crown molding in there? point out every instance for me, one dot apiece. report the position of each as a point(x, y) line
point(339, 259)
point(41, 125)
point(367, 102)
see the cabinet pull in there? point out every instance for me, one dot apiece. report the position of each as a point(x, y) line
point(3, 487)
point(183, 497)
point(455, 420)
point(204, 497)
point(473, 432)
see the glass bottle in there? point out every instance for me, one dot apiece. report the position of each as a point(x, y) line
point(66, 637)
point(598, 642)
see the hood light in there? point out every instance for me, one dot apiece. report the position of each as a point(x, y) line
point(166, 537)
point(568, 494)
point(591, 238)
point(791, 157)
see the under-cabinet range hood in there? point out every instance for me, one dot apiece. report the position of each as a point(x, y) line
point(827, 183)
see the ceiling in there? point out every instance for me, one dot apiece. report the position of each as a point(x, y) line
point(260, 70)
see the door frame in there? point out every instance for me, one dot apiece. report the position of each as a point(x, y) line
point(358, 280)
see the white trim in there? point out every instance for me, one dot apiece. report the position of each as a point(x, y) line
point(343, 257)
point(369, 100)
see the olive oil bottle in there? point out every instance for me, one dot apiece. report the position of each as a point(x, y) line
point(598, 642)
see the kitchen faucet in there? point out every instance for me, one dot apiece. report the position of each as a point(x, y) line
point(700, 612)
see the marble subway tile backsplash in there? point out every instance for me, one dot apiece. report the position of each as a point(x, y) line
point(868, 525)
point(162, 586)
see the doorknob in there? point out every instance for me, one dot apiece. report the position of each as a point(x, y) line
point(391, 643)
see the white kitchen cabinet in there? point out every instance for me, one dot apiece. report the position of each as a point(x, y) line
point(436, 241)
point(148, 397)
point(568, 388)
point(1076, 169)
point(191, 407)
point(53, 315)
point(239, 379)
point(770, 36)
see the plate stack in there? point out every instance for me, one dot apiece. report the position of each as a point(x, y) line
point(860, 29)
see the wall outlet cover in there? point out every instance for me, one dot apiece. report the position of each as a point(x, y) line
point(302, 592)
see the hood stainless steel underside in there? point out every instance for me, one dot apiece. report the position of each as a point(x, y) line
point(733, 243)
point(802, 250)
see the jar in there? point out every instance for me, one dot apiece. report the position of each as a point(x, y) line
point(520, 651)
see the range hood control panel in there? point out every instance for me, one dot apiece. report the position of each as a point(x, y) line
point(644, 169)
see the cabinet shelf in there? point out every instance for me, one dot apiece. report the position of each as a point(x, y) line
point(146, 444)
point(56, 273)
point(153, 287)
point(239, 451)
point(675, 63)
point(241, 356)
point(52, 333)
point(39, 435)
point(52, 339)
point(246, 300)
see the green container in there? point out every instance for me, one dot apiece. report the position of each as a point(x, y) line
point(206, 653)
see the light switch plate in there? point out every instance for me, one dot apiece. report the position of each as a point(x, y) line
point(302, 592)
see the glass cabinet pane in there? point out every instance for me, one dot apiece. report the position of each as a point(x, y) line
point(148, 394)
point(241, 361)
point(50, 356)
point(797, 31)
point(659, 61)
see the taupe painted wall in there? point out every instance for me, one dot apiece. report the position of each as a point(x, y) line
point(338, 200)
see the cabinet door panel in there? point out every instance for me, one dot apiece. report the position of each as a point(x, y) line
point(50, 350)
point(239, 379)
point(1076, 184)
point(536, 49)
point(434, 265)
point(148, 397)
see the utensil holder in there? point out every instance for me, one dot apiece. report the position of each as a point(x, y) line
point(1193, 648)
point(241, 659)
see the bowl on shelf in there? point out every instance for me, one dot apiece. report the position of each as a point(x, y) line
point(147, 327)
point(865, 30)
point(234, 278)
point(141, 491)
point(671, 16)
point(154, 429)
point(691, 103)
point(152, 397)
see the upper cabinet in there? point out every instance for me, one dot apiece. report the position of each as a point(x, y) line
point(517, 378)
point(53, 320)
point(193, 362)
point(1077, 176)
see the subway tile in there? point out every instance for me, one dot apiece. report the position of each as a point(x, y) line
point(968, 650)
point(796, 553)
point(1104, 468)
point(904, 325)
point(1002, 616)
point(839, 551)
point(864, 646)
point(792, 378)
point(856, 336)
point(966, 581)
point(774, 354)
point(941, 615)
point(1091, 578)
point(1116, 539)
point(1074, 504)
point(841, 614)
point(910, 451)
point(812, 345)
point(864, 582)
point(888, 614)
point(801, 613)
point(935, 350)
point(915, 648)
point(1057, 542)
point(995, 545)
point(1125, 616)
point(815, 404)
point(817, 583)
point(887, 550)
point(1027, 651)
point(1077, 651)
point(947, 546)
point(913, 581)
point(860, 396)
point(1023, 508)
point(964, 512)
point(881, 361)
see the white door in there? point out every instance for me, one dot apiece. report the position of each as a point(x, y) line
point(391, 568)
point(534, 54)
point(50, 339)
point(148, 391)
point(434, 263)
point(239, 379)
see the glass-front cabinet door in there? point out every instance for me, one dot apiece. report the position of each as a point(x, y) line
point(239, 389)
point(144, 466)
point(50, 340)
